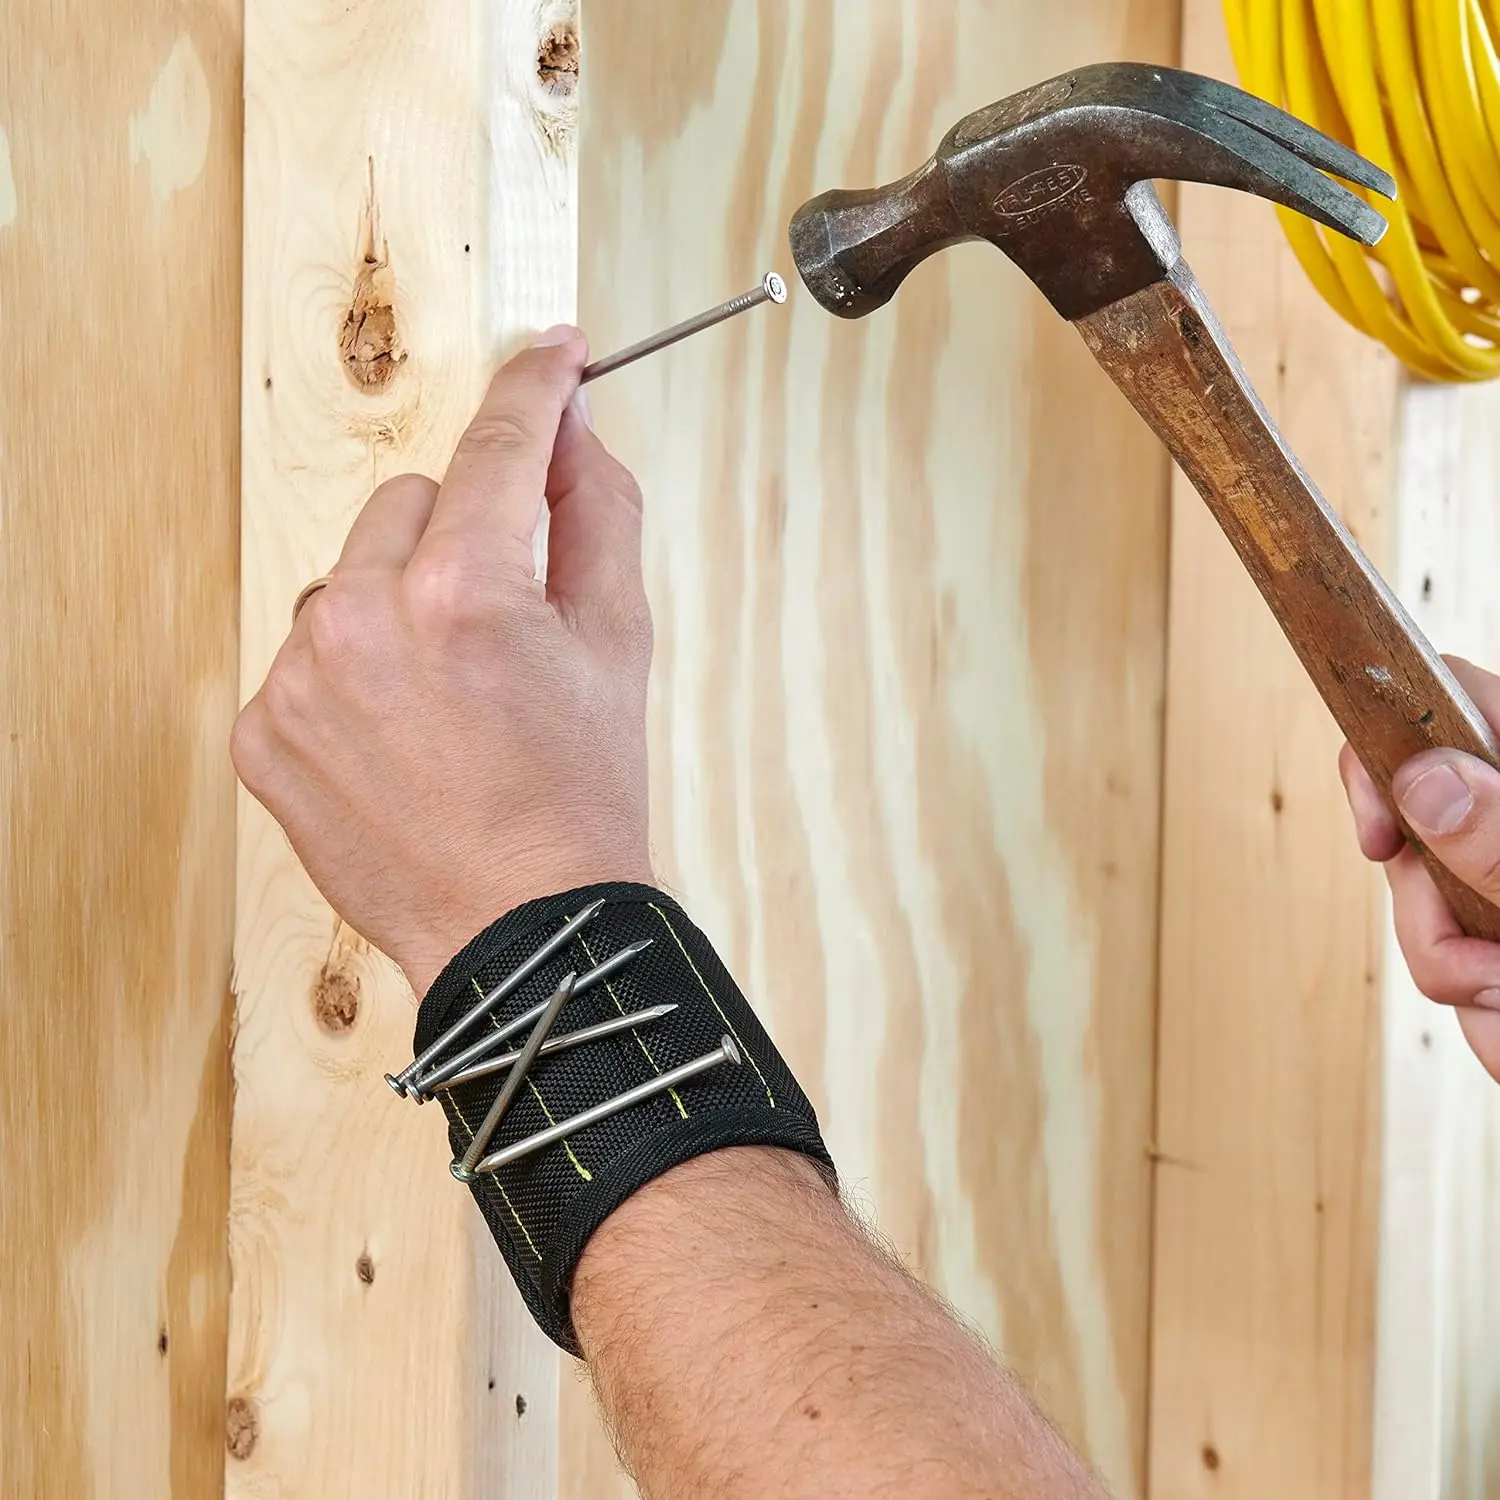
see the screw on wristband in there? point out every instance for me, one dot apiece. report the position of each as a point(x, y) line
point(655, 1057)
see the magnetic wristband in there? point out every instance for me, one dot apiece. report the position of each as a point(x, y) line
point(637, 954)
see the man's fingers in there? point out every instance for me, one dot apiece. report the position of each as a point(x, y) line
point(1445, 965)
point(594, 541)
point(491, 497)
point(1380, 836)
point(386, 531)
point(1452, 803)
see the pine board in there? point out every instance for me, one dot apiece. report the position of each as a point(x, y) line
point(119, 434)
point(909, 580)
point(1263, 1314)
point(1437, 1404)
point(376, 1345)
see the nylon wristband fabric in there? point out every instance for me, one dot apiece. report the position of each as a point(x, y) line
point(542, 1208)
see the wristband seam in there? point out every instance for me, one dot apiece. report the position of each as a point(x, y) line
point(514, 1212)
point(730, 1024)
point(639, 1039)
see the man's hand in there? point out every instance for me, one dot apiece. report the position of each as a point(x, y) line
point(1452, 802)
point(442, 736)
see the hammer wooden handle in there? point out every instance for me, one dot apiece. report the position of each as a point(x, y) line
point(1389, 691)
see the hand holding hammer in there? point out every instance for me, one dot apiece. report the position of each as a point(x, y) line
point(1060, 178)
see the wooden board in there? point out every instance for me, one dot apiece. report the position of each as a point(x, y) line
point(1263, 1309)
point(119, 301)
point(1437, 1404)
point(908, 579)
point(419, 158)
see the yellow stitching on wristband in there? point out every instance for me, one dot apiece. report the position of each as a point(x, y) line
point(567, 1146)
point(725, 1019)
point(520, 1222)
point(681, 1107)
point(583, 1171)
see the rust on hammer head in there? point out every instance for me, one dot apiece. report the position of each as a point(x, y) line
point(1060, 178)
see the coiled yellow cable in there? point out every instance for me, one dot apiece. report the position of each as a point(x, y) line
point(1414, 85)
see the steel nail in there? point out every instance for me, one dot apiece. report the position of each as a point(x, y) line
point(421, 1089)
point(464, 1168)
point(725, 1052)
point(771, 289)
point(507, 986)
point(560, 1043)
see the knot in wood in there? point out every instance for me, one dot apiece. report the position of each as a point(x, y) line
point(557, 61)
point(369, 341)
point(241, 1426)
point(335, 999)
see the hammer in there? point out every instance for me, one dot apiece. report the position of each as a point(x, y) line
point(1060, 178)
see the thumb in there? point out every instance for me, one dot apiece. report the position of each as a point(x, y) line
point(1452, 803)
point(594, 540)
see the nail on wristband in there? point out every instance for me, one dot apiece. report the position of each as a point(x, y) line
point(599, 1104)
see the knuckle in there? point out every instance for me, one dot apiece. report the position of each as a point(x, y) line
point(502, 433)
point(249, 744)
point(336, 623)
point(1435, 976)
point(618, 623)
point(628, 489)
point(443, 597)
point(635, 627)
point(284, 695)
point(1429, 977)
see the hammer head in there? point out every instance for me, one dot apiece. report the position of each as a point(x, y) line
point(1060, 178)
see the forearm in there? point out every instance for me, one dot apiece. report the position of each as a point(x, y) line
point(746, 1338)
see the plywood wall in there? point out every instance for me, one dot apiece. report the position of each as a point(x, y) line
point(420, 159)
point(119, 433)
point(1271, 941)
point(909, 584)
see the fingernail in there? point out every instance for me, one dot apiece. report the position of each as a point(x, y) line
point(1489, 999)
point(563, 333)
point(582, 407)
point(1438, 801)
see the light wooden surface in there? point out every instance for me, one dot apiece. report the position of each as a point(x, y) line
point(908, 578)
point(409, 217)
point(1437, 1408)
point(1268, 1112)
point(119, 423)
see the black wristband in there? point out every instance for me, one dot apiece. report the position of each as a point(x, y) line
point(543, 1207)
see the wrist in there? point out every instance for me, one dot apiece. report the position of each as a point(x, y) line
point(654, 1234)
point(424, 954)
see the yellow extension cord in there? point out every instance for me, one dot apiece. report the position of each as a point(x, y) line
point(1414, 85)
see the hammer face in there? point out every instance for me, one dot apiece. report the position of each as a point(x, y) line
point(1059, 177)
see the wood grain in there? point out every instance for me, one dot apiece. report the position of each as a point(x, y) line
point(1384, 683)
point(908, 578)
point(1263, 1308)
point(119, 284)
point(410, 215)
point(1437, 1391)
